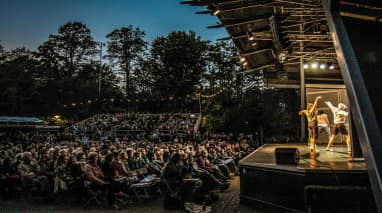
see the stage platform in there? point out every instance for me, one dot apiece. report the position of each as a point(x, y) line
point(332, 177)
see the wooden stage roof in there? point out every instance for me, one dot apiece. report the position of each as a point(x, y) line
point(280, 37)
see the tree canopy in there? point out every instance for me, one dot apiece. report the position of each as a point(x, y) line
point(177, 72)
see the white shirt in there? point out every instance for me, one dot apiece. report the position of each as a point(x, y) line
point(339, 115)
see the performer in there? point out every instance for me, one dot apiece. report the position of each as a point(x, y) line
point(339, 115)
point(311, 116)
point(323, 123)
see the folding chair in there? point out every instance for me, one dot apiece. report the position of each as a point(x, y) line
point(92, 195)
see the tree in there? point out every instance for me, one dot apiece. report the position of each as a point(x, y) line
point(65, 52)
point(19, 86)
point(179, 60)
point(142, 78)
point(125, 46)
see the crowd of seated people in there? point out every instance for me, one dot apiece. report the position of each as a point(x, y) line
point(55, 167)
point(29, 136)
point(103, 125)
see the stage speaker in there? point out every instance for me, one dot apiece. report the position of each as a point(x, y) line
point(286, 155)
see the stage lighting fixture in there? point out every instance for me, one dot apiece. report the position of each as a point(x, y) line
point(254, 44)
point(245, 63)
point(306, 66)
point(314, 65)
point(322, 66)
point(242, 59)
point(331, 67)
point(251, 38)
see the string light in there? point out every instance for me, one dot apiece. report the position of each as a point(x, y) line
point(217, 92)
point(187, 98)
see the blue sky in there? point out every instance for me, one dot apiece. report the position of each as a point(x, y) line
point(29, 22)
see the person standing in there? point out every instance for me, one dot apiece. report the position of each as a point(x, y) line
point(311, 116)
point(323, 123)
point(340, 114)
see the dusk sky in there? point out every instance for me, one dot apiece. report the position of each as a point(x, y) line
point(29, 22)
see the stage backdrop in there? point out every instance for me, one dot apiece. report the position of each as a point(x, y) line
point(333, 93)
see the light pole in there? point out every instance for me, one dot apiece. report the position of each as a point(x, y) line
point(101, 44)
point(200, 105)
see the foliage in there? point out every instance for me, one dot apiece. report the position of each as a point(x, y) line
point(178, 61)
point(63, 78)
point(125, 47)
point(68, 50)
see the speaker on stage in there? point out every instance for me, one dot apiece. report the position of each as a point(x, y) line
point(286, 155)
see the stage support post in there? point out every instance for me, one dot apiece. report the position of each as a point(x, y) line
point(362, 111)
point(302, 89)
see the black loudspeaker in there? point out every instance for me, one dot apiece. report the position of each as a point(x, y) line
point(285, 155)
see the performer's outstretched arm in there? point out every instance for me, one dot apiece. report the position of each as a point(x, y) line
point(315, 104)
point(330, 105)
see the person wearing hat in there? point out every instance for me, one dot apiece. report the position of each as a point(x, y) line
point(340, 114)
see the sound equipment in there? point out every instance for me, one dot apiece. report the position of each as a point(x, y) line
point(287, 155)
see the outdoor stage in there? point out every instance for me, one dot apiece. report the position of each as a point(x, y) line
point(327, 181)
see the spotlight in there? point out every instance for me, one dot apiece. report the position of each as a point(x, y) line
point(245, 63)
point(314, 65)
point(254, 44)
point(216, 12)
point(242, 59)
point(331, 67)
point(322, 66)
point(251, 38)
point(306, 66)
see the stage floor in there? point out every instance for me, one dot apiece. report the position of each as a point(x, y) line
point(338, 159)
point(329, 177)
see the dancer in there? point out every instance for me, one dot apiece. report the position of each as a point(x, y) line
point(311, 116)
point(339, 115)
point(323, 123)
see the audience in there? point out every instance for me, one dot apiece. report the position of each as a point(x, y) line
point(112, 167)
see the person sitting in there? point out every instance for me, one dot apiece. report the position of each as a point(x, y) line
point(171, 178)
point(210, 182)
point(124, 162)
point(62, 177)
point(29, 171)
point(96, 179)
point(8, 173)
point(205, 164)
